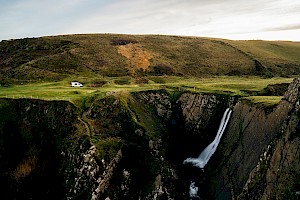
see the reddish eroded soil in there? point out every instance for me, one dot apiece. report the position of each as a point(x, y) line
point(137, 57)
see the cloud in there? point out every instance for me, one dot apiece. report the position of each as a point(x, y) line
point(285, 28)
point(169, 16)
point(214, 18)
point(37, 18)
point(145, 16)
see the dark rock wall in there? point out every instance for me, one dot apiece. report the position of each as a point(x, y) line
point(251, 146)
point(158, 130)
point(131, 146)
point(32, 134)
point(195, 122)
point(283, 172)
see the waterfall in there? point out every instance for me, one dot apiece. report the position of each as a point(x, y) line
point(205, 155)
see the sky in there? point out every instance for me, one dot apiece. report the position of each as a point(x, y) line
point(231, 19)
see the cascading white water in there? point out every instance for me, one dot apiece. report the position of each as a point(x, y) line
point(205, 155)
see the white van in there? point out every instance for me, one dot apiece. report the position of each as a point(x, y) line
point(76, 84)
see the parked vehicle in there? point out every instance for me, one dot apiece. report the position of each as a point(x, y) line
point(76, 84)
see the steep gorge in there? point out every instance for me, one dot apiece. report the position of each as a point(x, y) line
point(251, 147)
point(131, 146)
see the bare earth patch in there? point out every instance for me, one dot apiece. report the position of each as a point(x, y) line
point(25, 167)
point(138, 58)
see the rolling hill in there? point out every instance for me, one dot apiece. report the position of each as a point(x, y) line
point(107, 55)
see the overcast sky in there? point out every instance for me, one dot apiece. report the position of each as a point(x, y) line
point(232, 19)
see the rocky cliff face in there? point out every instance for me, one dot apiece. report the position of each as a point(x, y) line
point(155, 130)
point(283, 172)
point(32, 134)
point(131, 146)
point(253, 156)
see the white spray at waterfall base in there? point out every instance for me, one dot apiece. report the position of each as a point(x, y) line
point(193, 190)
point(205, 155)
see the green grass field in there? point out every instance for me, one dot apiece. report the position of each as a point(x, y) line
point(62, 90)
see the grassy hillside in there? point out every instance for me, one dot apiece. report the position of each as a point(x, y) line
point(281, 58)
point(104, 63)
point(106, 55)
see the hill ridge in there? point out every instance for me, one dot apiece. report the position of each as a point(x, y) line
point(55, 57)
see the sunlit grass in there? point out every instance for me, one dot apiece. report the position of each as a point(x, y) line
point(265, 100)
point(234, 85)
point(62, 90)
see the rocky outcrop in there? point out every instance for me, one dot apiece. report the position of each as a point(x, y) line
point(32, 136)
point(81, 173)
point(131, 146)
point(283, 172)
point(250, 153)
point(103, 180)
point(160, 100)
point(249, 133)
point(199, 109)
point(292, 95)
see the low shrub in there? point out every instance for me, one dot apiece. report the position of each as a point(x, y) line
point(123, 81)
point(158, 79)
